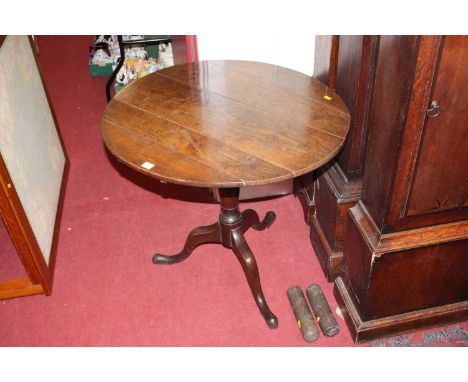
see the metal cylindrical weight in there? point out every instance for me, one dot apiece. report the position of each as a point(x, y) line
point(305, 320)
point(322, 311)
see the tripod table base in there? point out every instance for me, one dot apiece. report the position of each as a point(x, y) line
point(229, 231)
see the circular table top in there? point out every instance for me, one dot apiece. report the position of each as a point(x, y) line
point(225, 124)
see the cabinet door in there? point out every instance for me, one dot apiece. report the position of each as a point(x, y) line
point(439, 190)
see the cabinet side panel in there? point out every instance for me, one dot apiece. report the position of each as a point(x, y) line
point(349, 63)
point(394, 72)
point(326, 209)
point(323, 46)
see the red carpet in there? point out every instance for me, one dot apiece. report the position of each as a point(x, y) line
point(106, 290)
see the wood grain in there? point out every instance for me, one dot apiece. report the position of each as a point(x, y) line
point(380, 243)
point(363, 330)
point(333, 62)
point(420, 92)
point(323, 47)
point(396, 62)
point(404, 258)
point(349, 64)
point(19, 288)
point(338, 186)
point(404, 271)
point(357, 63)
point(444, 144)
point(225, 124)
point(19, 229)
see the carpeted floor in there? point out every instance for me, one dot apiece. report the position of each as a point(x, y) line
point(106, 290)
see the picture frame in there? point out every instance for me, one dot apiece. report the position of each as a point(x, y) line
point(34, 167)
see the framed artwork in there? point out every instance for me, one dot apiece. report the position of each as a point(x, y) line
point(33, 167)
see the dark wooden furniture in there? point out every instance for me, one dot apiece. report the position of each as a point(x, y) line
point(23, 229)
point(347, 64)
point(405, 257)
point(226, 124)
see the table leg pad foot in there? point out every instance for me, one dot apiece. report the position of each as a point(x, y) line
point(269, 219)
point(250, 219)
point(272, 322)
point(198, 236)
point(162, 259)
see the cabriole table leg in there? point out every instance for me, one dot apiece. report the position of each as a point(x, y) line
point(229, 231)
point(198, 236)
point(233, 225)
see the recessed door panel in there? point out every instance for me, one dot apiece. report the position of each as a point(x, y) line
point(440, 181)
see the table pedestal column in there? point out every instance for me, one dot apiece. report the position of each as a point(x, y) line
point(229, 231)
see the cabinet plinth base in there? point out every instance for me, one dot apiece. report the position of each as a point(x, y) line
point(364, 331)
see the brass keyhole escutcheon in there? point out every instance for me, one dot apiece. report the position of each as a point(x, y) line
point(434, 110)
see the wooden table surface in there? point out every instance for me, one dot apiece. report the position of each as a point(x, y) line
point(225, 124)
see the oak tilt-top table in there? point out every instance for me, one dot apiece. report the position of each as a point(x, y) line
point(226, 125)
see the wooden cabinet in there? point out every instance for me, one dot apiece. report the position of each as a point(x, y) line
point(346, 63)
point(405, 256)
point(389, 216)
